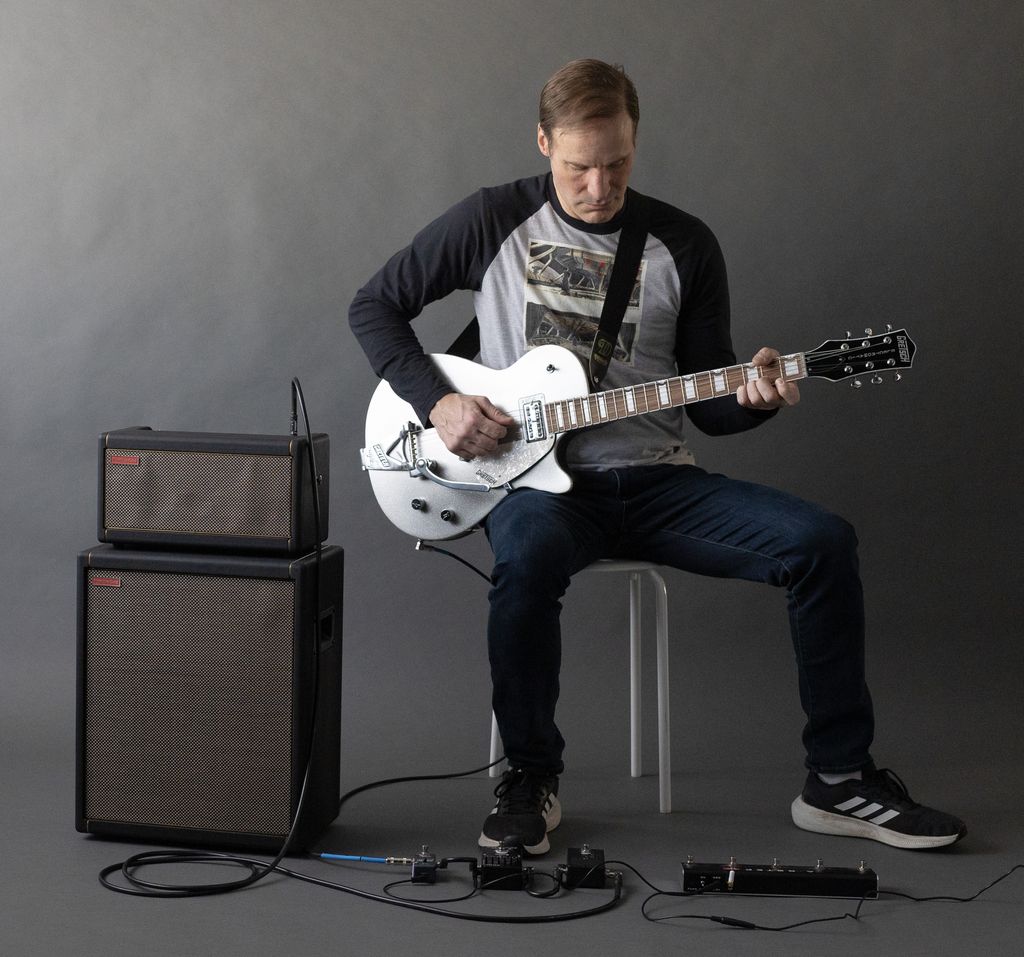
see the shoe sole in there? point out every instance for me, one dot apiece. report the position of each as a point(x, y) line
point(553, 819)
point(825, 822)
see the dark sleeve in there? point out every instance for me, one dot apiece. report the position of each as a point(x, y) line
point(440, 259)
point(703, 341)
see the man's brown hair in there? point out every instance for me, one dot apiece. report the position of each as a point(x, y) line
point(585, 90)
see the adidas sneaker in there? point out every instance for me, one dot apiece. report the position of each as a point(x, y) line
point(527, 808)
point(877, 807)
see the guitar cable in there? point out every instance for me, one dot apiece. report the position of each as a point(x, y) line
point(422, 546)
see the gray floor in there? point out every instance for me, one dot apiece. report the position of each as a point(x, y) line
point(53, 903)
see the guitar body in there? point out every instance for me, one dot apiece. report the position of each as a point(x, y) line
point(426, 509)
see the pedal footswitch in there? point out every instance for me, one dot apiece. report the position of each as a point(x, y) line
point(780, 880)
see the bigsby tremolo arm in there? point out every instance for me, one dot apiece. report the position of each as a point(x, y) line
point(377, 458)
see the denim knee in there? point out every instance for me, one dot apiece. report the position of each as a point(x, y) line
point(827, 544)
point(832, 534)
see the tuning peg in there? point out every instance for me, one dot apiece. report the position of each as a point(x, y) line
point(856, 384)
point(867, 332)
point(888, 327)
point(849, 335)
point(898, 377)
point(877, 380)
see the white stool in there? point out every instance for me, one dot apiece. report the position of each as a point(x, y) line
point(635, 570)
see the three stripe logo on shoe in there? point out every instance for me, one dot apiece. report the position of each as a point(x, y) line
point(853, 808)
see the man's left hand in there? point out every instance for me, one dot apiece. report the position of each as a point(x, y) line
point(767, 393)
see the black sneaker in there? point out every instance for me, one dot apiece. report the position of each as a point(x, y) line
point(878, 807)
point(527, 809)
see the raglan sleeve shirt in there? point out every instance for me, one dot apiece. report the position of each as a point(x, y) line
point(441, 258)
point(494, 233)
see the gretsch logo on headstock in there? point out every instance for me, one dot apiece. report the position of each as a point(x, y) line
point(904, 348)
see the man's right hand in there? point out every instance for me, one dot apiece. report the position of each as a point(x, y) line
point(469, 425)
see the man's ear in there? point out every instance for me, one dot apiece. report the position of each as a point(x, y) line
point(543, 144)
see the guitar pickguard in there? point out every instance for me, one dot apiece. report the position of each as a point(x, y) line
point(510, 460)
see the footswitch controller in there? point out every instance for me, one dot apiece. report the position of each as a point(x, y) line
point(781, 880)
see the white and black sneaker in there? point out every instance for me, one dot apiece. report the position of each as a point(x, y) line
point(877, 807)
point(527, 809)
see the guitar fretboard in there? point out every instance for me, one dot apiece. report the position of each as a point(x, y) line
point(565, 415)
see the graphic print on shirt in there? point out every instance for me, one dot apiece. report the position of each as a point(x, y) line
point(565, 292)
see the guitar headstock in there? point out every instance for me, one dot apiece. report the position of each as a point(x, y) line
point(839, 359)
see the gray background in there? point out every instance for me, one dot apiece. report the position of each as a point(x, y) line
point(193, 191)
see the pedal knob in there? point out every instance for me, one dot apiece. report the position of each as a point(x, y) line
point(418, 505)
point(447, 515)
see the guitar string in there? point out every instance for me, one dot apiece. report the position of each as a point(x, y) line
point(819, 359)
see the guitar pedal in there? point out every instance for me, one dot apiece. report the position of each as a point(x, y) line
point(780, 880)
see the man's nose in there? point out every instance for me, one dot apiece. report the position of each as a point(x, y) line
point(598, 184)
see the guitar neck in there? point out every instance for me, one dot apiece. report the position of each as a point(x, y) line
point(565, 415)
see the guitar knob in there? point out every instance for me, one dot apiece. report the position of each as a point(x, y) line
point(447, 515)
point(418, 505)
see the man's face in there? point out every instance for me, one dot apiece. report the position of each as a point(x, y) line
point(590, 165)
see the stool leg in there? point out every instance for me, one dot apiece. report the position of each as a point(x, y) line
point(635, 693)
point(495, 747)
point(664, 726)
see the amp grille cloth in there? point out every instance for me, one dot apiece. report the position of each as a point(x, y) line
point(200, 493)
point(188, 711)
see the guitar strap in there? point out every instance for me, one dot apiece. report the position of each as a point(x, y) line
point(621, 283)
point(467, 345)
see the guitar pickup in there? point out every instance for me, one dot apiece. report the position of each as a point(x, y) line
point(532, 415)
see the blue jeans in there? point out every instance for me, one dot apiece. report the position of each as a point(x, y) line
point(684, 517)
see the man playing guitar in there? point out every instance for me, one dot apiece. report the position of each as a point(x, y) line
point(537, 254)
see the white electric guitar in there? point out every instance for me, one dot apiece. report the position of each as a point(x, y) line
point(432, 494)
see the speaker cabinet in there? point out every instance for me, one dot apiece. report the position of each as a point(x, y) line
point(207, 490)
point(196, 690)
